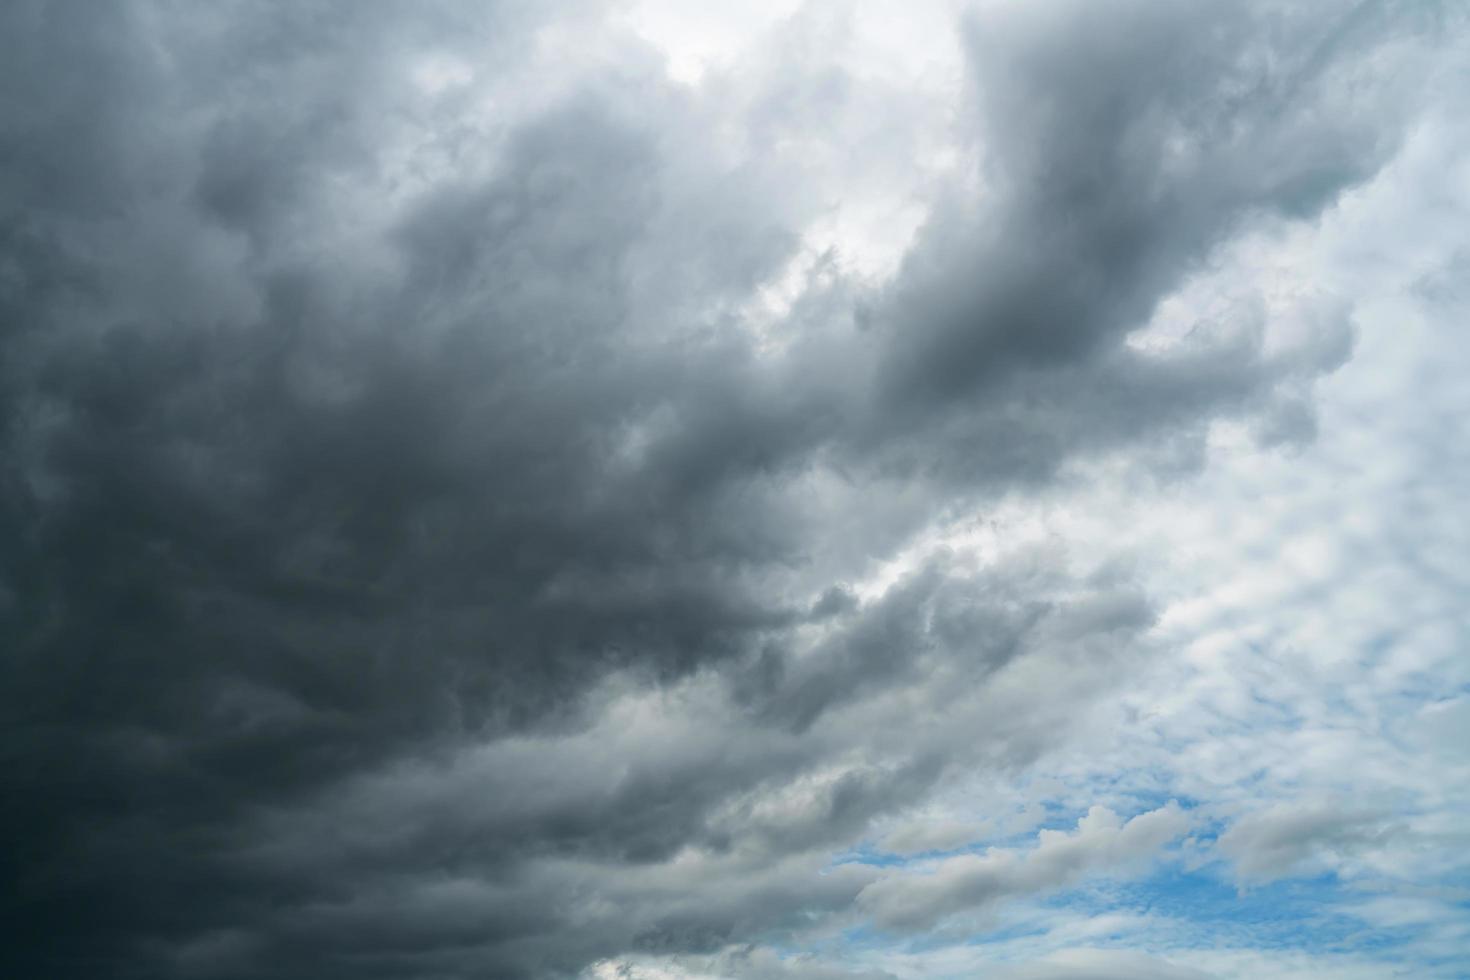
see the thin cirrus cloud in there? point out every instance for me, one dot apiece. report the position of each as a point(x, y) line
point(498, 490)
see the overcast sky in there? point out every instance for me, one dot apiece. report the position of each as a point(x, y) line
point(766, 491)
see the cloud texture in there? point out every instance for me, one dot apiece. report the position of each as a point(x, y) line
point(455, 522)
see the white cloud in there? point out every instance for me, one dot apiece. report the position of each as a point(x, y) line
point(1102, 843)
point(1287, 838)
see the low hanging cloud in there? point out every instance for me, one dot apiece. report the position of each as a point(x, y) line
point(974, 881)
point(420, 558)
point(1281, 839)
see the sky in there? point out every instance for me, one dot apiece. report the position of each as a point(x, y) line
point(827, 490)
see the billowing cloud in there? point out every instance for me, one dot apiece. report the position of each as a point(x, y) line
point(468, 494)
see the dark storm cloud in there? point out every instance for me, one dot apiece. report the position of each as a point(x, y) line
point(1116, 144)
point(366, 453)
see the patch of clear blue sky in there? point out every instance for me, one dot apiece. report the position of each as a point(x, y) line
point(1175, 908)
point(1303, 914)
point(1181, 909)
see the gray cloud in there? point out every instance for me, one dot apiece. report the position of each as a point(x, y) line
point(1277, 841)
point(971, 881)
point(412, 563)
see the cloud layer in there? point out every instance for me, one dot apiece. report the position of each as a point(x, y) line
point(466, 513)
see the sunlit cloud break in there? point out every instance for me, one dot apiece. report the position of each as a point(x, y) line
point(786, 491)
